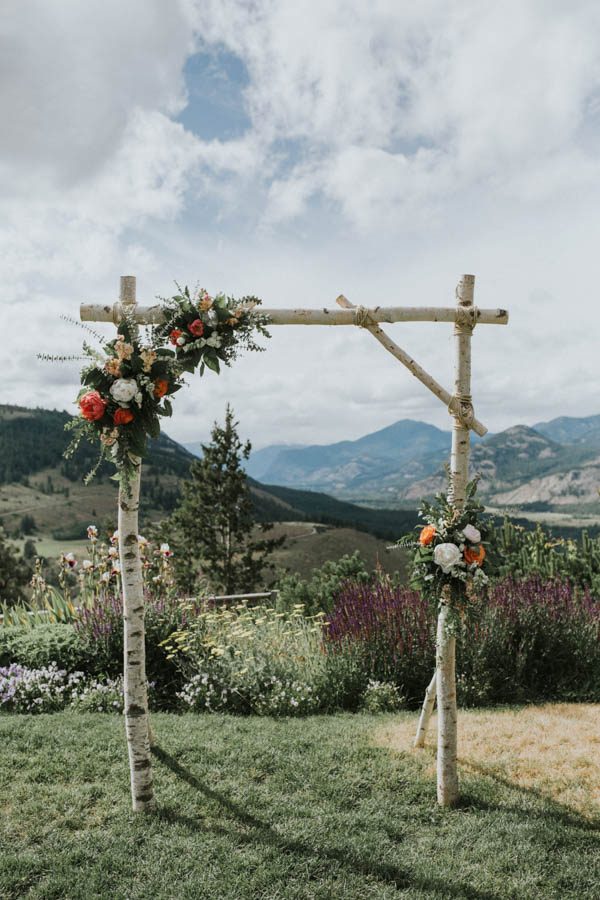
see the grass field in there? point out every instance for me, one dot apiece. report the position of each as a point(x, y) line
point(327, 807)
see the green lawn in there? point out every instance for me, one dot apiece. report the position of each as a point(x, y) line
point(259, 808)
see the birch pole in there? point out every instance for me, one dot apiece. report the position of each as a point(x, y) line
point(135, 684)
point(426, 712)
point(447, 774)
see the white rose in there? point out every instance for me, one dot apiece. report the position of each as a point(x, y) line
point(472, 534)
point(124, 390)
point(446, 556)
point(213, 341)
point(181, 340)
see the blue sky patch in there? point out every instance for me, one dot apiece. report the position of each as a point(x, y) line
point(215, 81)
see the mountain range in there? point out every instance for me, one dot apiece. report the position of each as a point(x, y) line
point(553, 465)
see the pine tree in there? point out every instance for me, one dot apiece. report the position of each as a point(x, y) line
point(212, 528)
point(14, 572)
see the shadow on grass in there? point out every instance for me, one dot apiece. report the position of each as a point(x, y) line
point(560, 812)
point(266, 835)
point(553, 809)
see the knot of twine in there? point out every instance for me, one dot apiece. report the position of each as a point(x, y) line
point(461, 406)
point(466, 319)
point(362, 317)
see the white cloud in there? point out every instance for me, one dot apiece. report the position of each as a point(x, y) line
point(390, 147)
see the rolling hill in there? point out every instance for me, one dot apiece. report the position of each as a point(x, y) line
point(37, 481)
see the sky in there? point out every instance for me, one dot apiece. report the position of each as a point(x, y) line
point(298, 149)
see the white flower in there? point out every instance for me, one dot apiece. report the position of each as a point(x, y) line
point(446, 557)
point(181, 340)
point(213, 341)
point(139, 397)
point(472, 534)
point(87, 564)
point(115, 537)
point(124, 390)
point(92, 533)
point(69, 560)
point(105, 577)
point(142, 541)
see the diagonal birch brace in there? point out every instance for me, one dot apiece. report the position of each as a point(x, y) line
point(464, 316)
point(364, 320)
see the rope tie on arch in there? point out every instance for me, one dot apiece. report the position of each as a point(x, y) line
point(466, 319)
point(362, 317)
point(461, 406)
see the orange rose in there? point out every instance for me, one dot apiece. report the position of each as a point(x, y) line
point(427, 535)
point(161, 386)
point(123, 417)
point(475, 555)
point(92, 406)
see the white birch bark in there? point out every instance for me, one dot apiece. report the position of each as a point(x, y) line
point(447, 774)
point(153, 315)
point(426, 712)
point(137, 725)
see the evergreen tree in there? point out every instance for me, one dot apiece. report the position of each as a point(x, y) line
point(212, 528)
point(14, 572)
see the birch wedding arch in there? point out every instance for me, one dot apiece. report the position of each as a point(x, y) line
point(127, 389)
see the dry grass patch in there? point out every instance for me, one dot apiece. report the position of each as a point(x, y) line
point(553, 750)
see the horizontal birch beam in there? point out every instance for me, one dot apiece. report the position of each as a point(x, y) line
point(153, 315)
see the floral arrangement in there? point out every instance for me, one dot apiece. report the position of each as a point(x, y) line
point(206, 331)
point(449, 564)
point(128, 383)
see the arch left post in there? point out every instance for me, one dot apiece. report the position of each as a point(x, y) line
point(135, 684)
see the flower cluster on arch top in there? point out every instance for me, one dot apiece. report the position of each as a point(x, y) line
point(127, 385)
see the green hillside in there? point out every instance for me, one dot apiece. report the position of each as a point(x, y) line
point(36, 480)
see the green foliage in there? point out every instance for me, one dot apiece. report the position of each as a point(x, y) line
point(520, 553)
point(382, 696)
point(536, 640)
point(206, 331)
point(318, 594)
point(252, 659)
point(15, 572)
point(40, 646)
point(27, 525)
point(212, 529)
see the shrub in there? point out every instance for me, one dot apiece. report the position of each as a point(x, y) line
point(252, 659)
point(531, 640)
point(38, 647)
point(520, 554)
point(100, 631)
point(382, 696)
point(535, 639)
point(389, 630)
point(318, 594)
